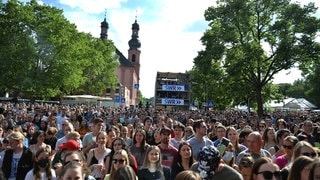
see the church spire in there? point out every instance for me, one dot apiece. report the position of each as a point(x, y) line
point(104, 27)
point(134, 42)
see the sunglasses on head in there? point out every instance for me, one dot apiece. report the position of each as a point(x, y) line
point(246, 163)
point(121, 161)
point(268, 175)
point(74, 160)
point(309, 154)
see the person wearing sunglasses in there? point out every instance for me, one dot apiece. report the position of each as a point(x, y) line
point(72, 170)
point(265, 169)
point(278, 150)
point(302, 148)
point(288, 145)
point(78, 156)
point(300, 168)
point(245, 166)
point(119, 159)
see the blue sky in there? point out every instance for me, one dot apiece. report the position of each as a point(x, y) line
point(170, 31)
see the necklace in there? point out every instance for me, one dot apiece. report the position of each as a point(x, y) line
point(101, 150)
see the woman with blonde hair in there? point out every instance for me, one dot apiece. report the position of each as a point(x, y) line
point(119, 159)
point(96, 156)
point(152, 167)
point(233, 135)
point(302, 148)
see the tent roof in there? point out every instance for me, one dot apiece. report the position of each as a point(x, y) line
point(292, 103)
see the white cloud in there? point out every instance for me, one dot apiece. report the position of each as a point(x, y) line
point(92, 6)
point(166, 46)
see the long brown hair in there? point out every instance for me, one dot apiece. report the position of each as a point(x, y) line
point(36, 169)
point(179, 158)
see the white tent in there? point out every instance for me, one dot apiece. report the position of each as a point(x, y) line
point(291, 104)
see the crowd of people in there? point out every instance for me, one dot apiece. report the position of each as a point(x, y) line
point(48, 141)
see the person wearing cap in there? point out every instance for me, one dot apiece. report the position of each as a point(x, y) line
point(18, 159)
point(67, 130)
point(70, 145)
point(211, 167)
point(200, 138)
point(169, 153)
point(89, 140)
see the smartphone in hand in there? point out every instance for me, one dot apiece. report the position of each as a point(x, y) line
point(223, 145)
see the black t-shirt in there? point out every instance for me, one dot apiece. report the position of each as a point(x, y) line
point(145, 174)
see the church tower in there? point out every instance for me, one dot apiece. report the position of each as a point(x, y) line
point(134, 48)
point(104, 28)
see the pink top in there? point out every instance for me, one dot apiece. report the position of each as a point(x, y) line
point(281, 161)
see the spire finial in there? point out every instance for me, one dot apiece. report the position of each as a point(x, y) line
point(136, 15)
point(105, 13)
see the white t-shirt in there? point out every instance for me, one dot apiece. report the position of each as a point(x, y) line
point(43, 176)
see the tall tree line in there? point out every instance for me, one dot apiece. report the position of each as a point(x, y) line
point(42, 55)
point(247, 43)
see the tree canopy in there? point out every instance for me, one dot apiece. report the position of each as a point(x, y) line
point(42, 54)
point(250, 41)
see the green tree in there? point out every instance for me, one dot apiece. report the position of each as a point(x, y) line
point(101, 67)
point(16, 47)
point(295, 90)
point(43, 55)
point(254, 40)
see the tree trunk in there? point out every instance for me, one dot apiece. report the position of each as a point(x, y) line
point(259, 101)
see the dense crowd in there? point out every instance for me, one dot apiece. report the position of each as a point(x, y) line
point(48, 141)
